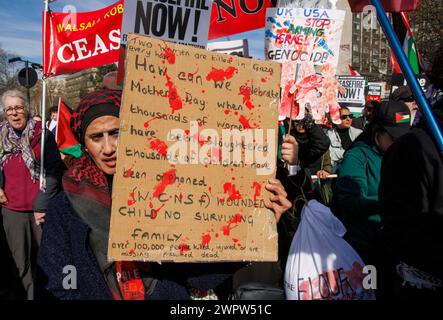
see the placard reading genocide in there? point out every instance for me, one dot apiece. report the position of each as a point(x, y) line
point(304, 34)
point(197, 146)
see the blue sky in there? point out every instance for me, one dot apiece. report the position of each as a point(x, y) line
point(21, 24)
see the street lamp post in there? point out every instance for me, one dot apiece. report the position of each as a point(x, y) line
point(26, 78)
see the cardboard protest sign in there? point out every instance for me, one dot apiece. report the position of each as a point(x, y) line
point(75, 41)
point(355, 90)
point(197, 144)
point(180, 21)
point(235, 16)
point(235, 47)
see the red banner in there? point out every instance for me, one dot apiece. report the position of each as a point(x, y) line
point(388, 5)
point(76, 41)
point(235, 16)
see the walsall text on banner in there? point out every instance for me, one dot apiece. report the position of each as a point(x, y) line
point(77, 41)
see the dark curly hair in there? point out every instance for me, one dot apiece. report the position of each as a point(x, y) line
point(435, 72)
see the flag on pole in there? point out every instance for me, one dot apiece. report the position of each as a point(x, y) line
point(409, 45)
point(404, 33)
point(73, 41)
point(66, 142)
point(353, 72)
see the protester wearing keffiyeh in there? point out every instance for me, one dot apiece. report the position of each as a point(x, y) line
point(23, 204)
point(88, 189)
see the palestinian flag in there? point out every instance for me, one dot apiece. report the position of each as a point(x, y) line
point(66, 142)
point(404, 33)
point(353, 72)
point(402, 118)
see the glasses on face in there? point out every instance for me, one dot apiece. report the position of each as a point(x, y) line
point(18, 109)
point(344, 116)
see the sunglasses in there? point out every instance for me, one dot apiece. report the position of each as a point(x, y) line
point(344, 116)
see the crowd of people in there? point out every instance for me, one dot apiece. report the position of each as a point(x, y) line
point(388, 192)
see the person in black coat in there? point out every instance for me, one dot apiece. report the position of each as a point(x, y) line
point(411, 201)
point(311, 143)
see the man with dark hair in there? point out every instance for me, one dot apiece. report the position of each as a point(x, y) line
point(411, 206)
point(404, 94)
point(370, 107)
point(52, 123)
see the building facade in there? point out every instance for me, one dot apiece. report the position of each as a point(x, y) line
point(370, 49)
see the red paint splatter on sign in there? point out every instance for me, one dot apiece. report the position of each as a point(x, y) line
point(229, 189)
point(159, 146)
point(175, 102)
point(183, 247)
point(168, 179)
point(246, 93)
point(154, 212)
point(168, 54)
point(257, 191)
point(245, 122)
point(217, 152)
point(199, 138)
point(235, 219)
point(131, 201)
point(127, 173)
point(146, 125)
point(227, 111)
point(206, 238)
point(220, 74)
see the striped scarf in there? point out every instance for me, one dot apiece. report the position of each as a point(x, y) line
point(12, 144)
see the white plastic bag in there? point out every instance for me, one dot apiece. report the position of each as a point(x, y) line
point(321, 265)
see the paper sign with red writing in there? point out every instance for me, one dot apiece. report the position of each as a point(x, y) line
point(197, 146)
point(80, 40)
point(302, 39)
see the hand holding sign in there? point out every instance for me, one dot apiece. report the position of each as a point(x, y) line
point(279, 202)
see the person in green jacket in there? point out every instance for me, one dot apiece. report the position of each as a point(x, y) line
point(356, 189)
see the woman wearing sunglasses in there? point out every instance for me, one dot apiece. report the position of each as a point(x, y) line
point(341, 137)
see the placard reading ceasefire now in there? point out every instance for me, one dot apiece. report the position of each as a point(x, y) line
point(197, 145)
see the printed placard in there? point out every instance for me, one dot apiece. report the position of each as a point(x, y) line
point(354, 92)
point(197, 145)
point(180, 21)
